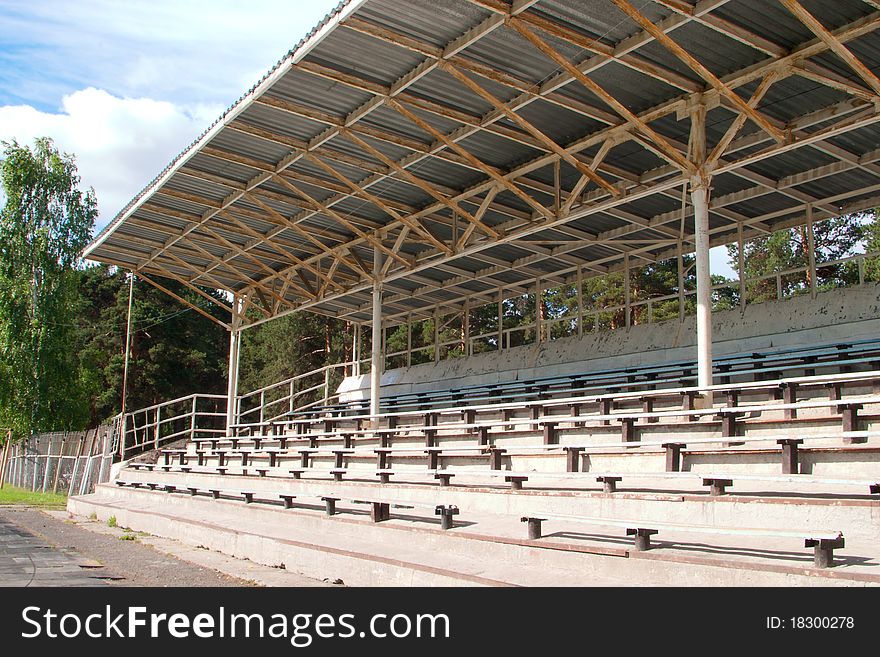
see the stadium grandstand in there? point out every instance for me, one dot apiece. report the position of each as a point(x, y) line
point(413, 162)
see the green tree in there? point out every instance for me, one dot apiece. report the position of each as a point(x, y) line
point(45, 224)
point(788, 249)
point(174, 351)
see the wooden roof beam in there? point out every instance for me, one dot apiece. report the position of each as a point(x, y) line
point(834, 44)
point(692, 62)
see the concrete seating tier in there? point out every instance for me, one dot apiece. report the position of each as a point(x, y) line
point(823, 541)
point(808, 360)
point(790, 391)
point(771, 464)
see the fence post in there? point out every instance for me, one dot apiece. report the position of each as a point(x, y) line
point(5, 457)
point(60, 463)
point(73, 472)
point(326, 385)
point(48, 464)
point(36, 469)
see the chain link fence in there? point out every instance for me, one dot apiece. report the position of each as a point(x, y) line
point(71, 462)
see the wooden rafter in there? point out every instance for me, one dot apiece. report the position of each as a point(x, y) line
point(833, 43)
point(692, 62)
point(363, 193)
point(658, 140)
point(421, 184)
point(487, 169)
point(188, 304)
point(529, 127)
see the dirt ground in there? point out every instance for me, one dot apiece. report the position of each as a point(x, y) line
point(47, 550)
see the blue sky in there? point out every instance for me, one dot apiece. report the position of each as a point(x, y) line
point(126, 85)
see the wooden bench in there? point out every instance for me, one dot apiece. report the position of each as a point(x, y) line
point(823, 542)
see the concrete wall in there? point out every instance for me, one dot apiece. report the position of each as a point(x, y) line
point(847, 314)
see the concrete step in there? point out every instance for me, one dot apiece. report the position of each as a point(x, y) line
point(483, 549)
point(839, 508)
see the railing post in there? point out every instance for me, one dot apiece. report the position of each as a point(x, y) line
point(123, 428)
point(326, 385)
point(192, 420)
point(262, 405)
point(156, 428)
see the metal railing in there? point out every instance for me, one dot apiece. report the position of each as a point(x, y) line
point(202, 415)
point(298, 392)
point(196, 415)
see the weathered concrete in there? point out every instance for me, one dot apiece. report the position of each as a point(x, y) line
point(858, 518)
point(847, 314)
point(483, 549)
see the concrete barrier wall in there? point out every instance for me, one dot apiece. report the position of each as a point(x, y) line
point(846, 314)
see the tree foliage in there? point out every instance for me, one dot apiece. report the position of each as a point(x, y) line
point(45, 224)
point(174, 350)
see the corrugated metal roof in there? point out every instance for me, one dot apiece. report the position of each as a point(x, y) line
point(357, 137)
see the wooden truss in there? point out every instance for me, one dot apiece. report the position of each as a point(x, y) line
point(295, 225)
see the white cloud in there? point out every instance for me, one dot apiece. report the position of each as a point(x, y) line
point(193, 51)
point(120, 144)
point(126, 86)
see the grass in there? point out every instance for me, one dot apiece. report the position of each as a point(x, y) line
point(13, 495)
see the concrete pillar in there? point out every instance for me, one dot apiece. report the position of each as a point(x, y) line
point(741, 266)
point(234, 352)
point(700, 200)
point(376, 364)
point(627, 294)
point(811, 251)
point(125, 368)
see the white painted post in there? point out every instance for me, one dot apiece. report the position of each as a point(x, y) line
point(627, 293)
point(500, 320)
point(48, 466)
point(466, 326)
point(539, 311)
point(359, 336)
point(376, 348)
point(700, 196)
point(192, 421)
point(408, 340)
point(700, 186)
point(811, 251)
point(436, 335)
point(741, 266)
point(234, 352)
point(681, 297)
point(157, 429)
point(36, 469)
point(5, 463)
point(125, 368)
point(580, 300)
